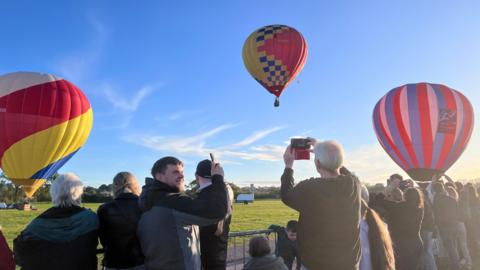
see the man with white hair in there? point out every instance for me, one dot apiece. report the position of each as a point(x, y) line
point(328, 228)
point(62, 237)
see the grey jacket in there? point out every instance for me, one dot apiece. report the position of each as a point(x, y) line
point(168, 229)
point(269, 262)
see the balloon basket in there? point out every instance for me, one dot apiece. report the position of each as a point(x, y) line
point(25, 207)
point(277, 102)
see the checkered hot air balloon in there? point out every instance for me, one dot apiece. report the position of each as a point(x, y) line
point(274, 55)
point(424, 127)
point(44, 120)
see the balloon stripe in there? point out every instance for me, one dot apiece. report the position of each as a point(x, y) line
point(414, 121)
point(433, 104)
point(426, 130)
point(405, 112)
point(458, 131)
point(400, 126)
point(393, 128)
point(12, 82)
point(55, 103)
point(29, 166)
point(439, 136)
point(445, 118)
point(467, 128)
point(385, 141)
point(50, 170)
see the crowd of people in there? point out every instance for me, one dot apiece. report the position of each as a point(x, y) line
point(409, 226)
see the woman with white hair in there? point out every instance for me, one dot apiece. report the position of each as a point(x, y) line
point(118, 225)
point(63, 237)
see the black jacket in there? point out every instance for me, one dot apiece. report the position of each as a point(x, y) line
point(60, 238)
point(118, 232)
point(167, 229)
point(328, 230)
point(286, 248)
point(445, 210)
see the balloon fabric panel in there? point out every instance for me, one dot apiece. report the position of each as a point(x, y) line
point(423, 126)
point(274, 55)
point(44, 121)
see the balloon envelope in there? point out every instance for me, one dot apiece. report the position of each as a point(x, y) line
point(424, 127)
point(274, 55)
point(44, 120)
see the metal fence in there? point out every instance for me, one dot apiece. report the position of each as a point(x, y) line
point(237, 254)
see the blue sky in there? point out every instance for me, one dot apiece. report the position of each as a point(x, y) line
point(167, 78)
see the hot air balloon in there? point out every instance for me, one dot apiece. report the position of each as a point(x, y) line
point(424, 127)
point(274, 55)
point(44, 121)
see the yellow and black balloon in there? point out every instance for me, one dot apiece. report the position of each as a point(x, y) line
point(274, 55)
point(44, 121)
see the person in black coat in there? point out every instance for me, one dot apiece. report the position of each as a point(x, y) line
point(118, 224)
point(213, 238)
point(404, 220)
point(287, 246)
point(63, 237)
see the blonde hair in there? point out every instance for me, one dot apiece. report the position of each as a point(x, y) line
point(125, 182)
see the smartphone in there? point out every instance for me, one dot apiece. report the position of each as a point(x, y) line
point(301, 148)
point(212, 158)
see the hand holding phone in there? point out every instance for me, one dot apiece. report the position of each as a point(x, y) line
point(301, 148)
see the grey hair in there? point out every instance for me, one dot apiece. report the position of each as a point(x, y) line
point(329, 154)
point(66, 190)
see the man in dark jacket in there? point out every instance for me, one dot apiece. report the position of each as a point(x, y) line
point(167, 231)
point(213, 238)
point(63, 237)
point(118, 224)
point(287, 245)
point(328, 227)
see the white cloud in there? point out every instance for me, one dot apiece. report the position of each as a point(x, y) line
point(128, 104)
point(196, 145)
point(256, 136)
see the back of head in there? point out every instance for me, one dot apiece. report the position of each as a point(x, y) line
point(459, 186)
point(292, 226)
point(66, 190)
point(414, 197)
point(329, 154)
point(204, 169)
point(452, 192)
point(438, 188)
point(125, 182)
point(395, 176)
point(259, 246)
point(161, 165)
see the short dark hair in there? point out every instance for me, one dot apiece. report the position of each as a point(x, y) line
point(161, 165)
point(259, 246)
point(292, 226)
point(438, 187)
point(396, 175)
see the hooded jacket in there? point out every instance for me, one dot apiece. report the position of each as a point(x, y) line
point(60, 238)
point(268, 262)
point(168, 231)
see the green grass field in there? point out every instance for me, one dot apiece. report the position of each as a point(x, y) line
point(256, 216)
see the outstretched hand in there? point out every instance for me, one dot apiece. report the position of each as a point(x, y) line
point(217, 169)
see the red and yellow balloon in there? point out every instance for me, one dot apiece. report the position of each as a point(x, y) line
point(44, 121)
point(274, 55)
